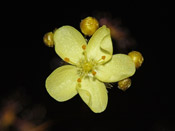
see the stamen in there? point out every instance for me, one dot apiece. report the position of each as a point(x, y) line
point(84, 47)
point(79, 80)
point(84, 52)
point(103, 57)
point(101, 60)
point(94, 73)
point(71, 62)
point(66, 59)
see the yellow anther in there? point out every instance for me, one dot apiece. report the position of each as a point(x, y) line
point(103, 57)
point(48, 39)
point(94, 73)
point(89, 25)
point(66, 59)
point(84, 47)
point(79, 80)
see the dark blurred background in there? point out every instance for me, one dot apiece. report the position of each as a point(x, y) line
point(26, 63)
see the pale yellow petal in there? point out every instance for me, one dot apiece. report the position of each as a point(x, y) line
point(94, 94)
point(61, 83)
point(119, 67)
point(68, 43)
point(100, 45)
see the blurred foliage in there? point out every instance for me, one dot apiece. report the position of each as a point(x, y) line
point(17, 113)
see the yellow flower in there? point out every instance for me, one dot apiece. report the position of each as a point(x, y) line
point(90, 65)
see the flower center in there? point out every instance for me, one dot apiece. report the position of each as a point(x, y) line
point(87, 67)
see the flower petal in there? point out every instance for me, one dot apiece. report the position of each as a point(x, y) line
point(100, 45)
point(119, 67)
point(94, 94)
point(61, 83)
point(68, 43)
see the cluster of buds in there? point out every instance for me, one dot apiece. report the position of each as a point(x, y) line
point(138, 60)
point(88, 27)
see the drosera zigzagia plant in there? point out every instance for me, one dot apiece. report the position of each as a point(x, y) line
point(90, 64)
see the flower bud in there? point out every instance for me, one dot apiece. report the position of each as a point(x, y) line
point(124, 84)
point(89, 25)
point(48, 39)
point(137, 58)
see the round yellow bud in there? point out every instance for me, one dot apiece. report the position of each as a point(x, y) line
point(89, 25)
point(124, 84)
point(137, 58)
point(48, 39)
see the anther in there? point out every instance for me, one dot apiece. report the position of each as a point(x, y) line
point(83, 47)
point(101, 60)
point(66, 59)
point(94, 73)
point(103, 57)
point(79, 80)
